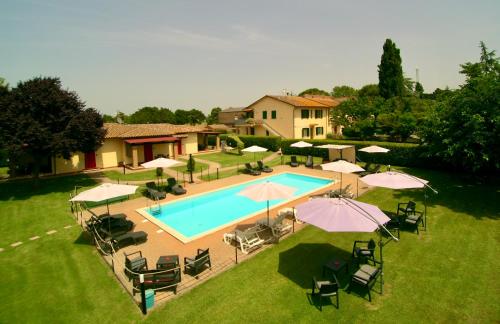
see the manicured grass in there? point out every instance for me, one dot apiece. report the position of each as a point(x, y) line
point(229, 159)
point(446, 274)
point(4, 172)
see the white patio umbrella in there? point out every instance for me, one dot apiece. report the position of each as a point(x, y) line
point(254, 149)
point(399, 180)
point(161, 163)
point(301, 144)
point(345, 215)
point(266, 191)
point(374, 149)
point(105, 191)
point(342, 167)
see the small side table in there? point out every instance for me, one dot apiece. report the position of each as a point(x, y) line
point(167, 262)
point(335, 266)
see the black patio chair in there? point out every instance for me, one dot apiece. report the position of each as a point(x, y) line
point(174, 187)
point(366, 276)
point(406, 209)
point(325, 288)
point(367, 252)
point(263, 168)
point(198, 263)
point(134, 263)
point(250, 170)
point(153, 191)
point(293, 161)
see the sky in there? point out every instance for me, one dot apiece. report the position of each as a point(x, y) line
point(126, 54)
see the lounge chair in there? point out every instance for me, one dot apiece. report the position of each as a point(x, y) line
point(134, 263)
point(198, 263)
point(366, 277)
point(289, 212)
point(361, 254)
point(376, 169)
point(113, 227)
point(263, 168)
point(276, 225)
point(309, 162)
point(174, 187)
point(248, 240)
point(293, 161)
point(154, 193)
point(129, 239)
point(250, 170)
point(325, 288)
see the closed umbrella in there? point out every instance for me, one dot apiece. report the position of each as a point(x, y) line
point(342, 167)
point(266, 191)
point(105, 192)
point(254, 149)
point(399, 180)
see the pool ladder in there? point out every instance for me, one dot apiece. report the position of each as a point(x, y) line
point(156, 207)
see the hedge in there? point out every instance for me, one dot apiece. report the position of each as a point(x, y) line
point(271, 143)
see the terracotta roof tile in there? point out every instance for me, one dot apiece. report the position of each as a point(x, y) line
point(144, 130)
point(315, 102)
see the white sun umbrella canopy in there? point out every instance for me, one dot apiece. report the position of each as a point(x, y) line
point(301, 144)
point(105, 192)
point(254, 149)
point(374, 149)
point(342, 167)
point(266, 191)
point(161, 163)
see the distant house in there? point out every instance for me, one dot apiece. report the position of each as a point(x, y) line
point(290, 117)
point(232, 116)
point(133, 144)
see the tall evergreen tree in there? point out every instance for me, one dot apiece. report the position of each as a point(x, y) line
point(390, 72)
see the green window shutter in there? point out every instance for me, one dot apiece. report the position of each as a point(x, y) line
point(264, 114)
point(273, 114)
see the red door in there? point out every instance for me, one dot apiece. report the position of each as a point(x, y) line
point(148, 152)
point(90, 160)
point(179, 147)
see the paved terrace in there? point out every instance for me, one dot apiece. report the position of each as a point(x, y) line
point(222, 255)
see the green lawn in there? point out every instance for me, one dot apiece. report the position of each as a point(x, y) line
point(446, 274)
point(229, 159)
point(4, 172)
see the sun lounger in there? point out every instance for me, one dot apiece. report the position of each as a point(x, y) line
point(309, 162)
point(263, 168)
point(174, 187)
point(248, 240)
point(129, 239)
point(276, 225)
point(250, 170)
point(289, 212)
point(293, 161)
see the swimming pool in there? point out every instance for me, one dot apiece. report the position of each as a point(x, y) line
point(195, 216)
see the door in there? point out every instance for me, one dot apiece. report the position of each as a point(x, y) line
point(148, 152)
point(179, 147)
point(90, 160)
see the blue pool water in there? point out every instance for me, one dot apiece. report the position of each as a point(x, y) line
point(194, 216)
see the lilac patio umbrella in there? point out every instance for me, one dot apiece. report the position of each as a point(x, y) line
point(399, 180)
point(266, 191)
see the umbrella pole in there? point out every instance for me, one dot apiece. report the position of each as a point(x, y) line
point(109, 219)
point(381, 263)
point(268, 213)
point(425, 208)
point(357, 187)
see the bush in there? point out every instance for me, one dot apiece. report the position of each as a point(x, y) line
point(272, 143)
point(401, 154)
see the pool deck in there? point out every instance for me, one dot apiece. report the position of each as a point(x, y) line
point(222, 255)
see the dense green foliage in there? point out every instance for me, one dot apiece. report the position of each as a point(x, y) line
point(152, 115)
point(390, 72)
point(234, 140)
point(270, 142)
point(314, 91)
point(40, 120)
point(193, 117)
point(213, 117)
point(465, 129)
point(344, 91)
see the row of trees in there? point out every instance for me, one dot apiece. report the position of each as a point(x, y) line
point(154, 115)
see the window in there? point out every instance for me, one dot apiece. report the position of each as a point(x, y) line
point(305, 132)
point(273, 114)
point(318, 113)
point(304, 113)
point(319, 130)
point(264, 114)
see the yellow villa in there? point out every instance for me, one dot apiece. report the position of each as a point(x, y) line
point(133, 144)
point(290, 117)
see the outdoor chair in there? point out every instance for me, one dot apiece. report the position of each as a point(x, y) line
point(414, 220)
point(309, 162)
point(406, 209)
point(129, 239)
point(250, 170)
point(263, 168)
point(325, 288)
point(134, 262)
point(155, 194)
point(198, 263)
point(366, 276)
point(376, 169)
point(174, 187)
point(114, 228)
point(276, 225)
point(367, 252)
point(155, 279)
point(248, 240)
point(293, 161)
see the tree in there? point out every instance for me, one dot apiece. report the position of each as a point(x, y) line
point(465, 128)
point(41, 120)
point(152, 115)
point(369, 90)
point(344, 91)
point(213, 118)
point(314, 91)
point(419, 89)
point(390, 72)
point(108, 119)
point(193, 117)
point(191, 164)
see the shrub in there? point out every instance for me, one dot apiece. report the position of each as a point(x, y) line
point(234, 141)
